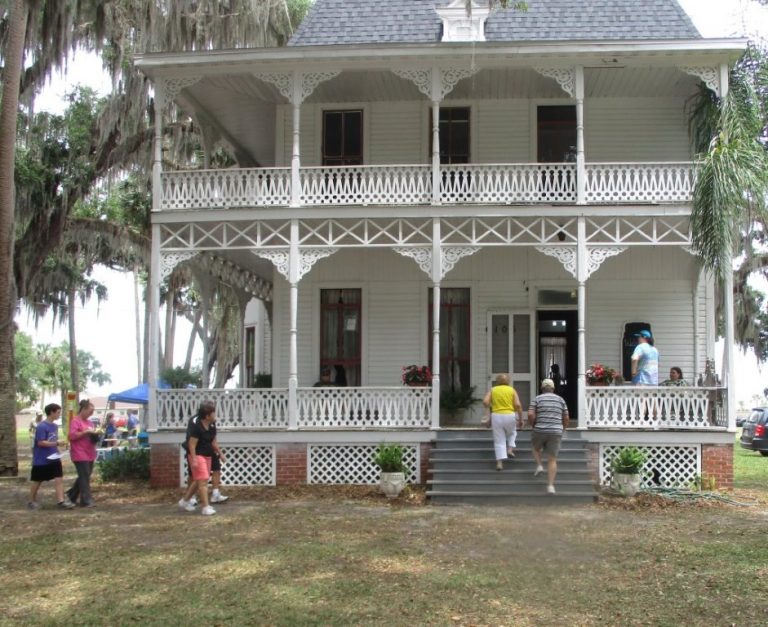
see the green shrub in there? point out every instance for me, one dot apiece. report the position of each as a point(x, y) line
point(390, 458)
point(129, 465)
point(628, 461)
point(262, 380)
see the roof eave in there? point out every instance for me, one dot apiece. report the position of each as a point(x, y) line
point(154, 64)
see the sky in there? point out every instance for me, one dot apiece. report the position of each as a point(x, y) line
point(107, 330)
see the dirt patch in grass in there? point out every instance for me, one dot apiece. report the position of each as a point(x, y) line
point(337, 555)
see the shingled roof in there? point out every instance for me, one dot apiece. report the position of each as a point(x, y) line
point(414, 21)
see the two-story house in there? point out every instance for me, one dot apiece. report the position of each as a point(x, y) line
point(480, 192)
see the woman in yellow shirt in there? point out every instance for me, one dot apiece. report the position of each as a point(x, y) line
point(506, 413)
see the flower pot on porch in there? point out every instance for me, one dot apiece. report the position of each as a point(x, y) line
point(392, 484)
point(627, 485)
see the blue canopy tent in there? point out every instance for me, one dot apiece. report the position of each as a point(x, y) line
point(138, 395)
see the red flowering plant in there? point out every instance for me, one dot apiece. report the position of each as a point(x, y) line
point(417, 375)
point(598, 373)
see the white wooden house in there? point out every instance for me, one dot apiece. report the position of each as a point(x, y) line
point(485, 193)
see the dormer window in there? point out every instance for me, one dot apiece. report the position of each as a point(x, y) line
point(461, 24)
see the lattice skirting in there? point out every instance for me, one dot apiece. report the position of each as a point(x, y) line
point(672, 466)
point(352, 464)
point(246, 465)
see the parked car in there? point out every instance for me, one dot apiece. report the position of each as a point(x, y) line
point(754, 435)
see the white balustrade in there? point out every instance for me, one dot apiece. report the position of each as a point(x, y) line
point(321, 407)
point(507, 184)
point(248, 408)
point(639, 182)
point(647, 407)
point(365, 408)
point(412, 185)
point(366, 185)
point(221, 189)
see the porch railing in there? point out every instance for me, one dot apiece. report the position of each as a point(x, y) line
point(264, 408)
point(639, 182)
point(606, 183)
point(318, 408)
point(643, 407)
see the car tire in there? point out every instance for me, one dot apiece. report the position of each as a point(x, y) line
point(764, 453)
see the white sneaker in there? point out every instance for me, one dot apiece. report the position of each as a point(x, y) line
point(538, 471)
point(193, 500)
point(550, 489)
point(219, 498)
point(186, 505)
point(208, 511)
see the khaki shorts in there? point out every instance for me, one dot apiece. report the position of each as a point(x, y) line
point(548, 442)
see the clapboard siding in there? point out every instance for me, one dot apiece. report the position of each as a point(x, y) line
point(650, 285)
point(396, 133)
point(638, 129)
point(615, 129)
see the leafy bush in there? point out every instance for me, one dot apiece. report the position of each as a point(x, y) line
point(129, 465)
point(262, 380)
point(628, 461)
point(454, 400)
point(181, 378)
point(390, 458)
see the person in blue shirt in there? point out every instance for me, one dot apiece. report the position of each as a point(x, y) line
point(46, 460)
point(645, 360)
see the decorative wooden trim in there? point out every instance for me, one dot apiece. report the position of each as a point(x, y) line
point(565, 77)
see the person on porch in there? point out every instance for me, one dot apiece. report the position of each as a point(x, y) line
point(325, 379)
point(675, 377)
point(645, 360)
point(548, 417)
point(506, 411)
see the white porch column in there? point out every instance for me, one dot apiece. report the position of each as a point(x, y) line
point(581, 275)
point(728, 365)
point(581, 167)
point(437, 265)
point(293, 361)
point(436, 195)
point(296, 148)
point(154, 326)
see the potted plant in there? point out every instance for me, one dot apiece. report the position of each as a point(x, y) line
point(626, 469)
point(598, 374)
point(389, 458)
point(455, 400)
point(417, 376)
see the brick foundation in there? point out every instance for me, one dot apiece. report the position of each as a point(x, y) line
point(164, 466)
point(291, 464)
point(717, 466)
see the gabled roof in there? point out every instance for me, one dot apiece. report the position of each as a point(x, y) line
point(331, 22)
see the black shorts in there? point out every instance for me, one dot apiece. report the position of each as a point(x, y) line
point(47, 472)
point(215, 464)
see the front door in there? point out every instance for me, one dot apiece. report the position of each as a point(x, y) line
point(509, 351)
point(557, 349)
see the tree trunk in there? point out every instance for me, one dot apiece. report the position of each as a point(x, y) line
point(74, 371)
point(136, 312)
point(14, 58)
point(192, 338)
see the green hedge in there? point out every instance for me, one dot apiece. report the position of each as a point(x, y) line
point(132, 464)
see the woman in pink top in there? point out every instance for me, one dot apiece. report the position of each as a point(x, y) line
point(82, 446)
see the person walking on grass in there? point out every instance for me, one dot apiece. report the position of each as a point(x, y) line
point(506, 412)
point(202, 448)
point(548, 416)
point(45, 446)
point(82, 444)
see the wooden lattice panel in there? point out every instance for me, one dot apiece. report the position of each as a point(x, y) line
point(666, 466)
point(353, 464)
point(246, 465)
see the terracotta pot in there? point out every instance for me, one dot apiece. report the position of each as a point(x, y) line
point(599, 384)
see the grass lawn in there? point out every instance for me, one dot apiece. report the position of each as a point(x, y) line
point(750, 469)
point(346, 556)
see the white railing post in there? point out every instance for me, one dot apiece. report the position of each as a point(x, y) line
point(436, 186)
point(154, 328)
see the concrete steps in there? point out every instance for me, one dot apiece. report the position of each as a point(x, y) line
point(463, 470)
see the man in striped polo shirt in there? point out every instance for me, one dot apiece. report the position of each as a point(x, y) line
point(548, 415)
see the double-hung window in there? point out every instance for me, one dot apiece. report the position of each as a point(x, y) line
point(455, 325)
point(340, 334)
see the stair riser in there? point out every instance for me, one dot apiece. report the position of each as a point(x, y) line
point(544, 500)
point(482, 455)
point(506, 488)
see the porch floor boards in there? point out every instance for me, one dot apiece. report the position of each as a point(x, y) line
point(463, 470)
